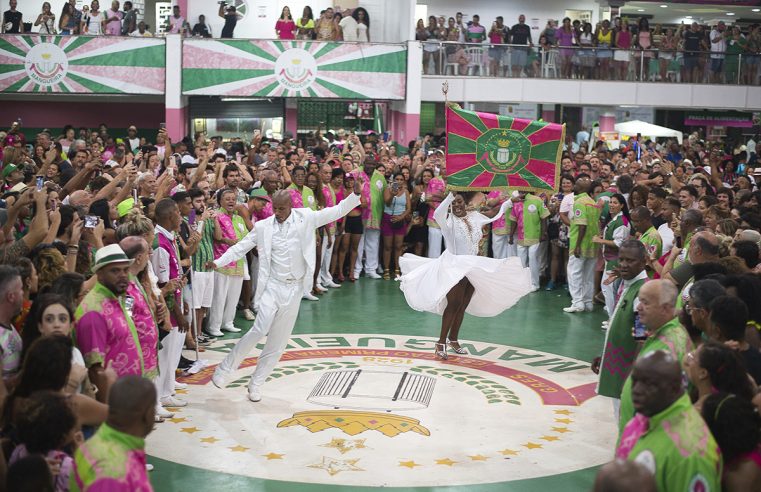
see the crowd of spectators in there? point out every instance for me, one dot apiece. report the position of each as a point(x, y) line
point(332, 24)
point(106, 238)
point(624, 49)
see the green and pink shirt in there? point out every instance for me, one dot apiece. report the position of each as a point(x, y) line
point(528, 215)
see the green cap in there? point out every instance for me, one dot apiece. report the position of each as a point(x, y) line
point(8, 169)
point(259, 193)
point(125, 206)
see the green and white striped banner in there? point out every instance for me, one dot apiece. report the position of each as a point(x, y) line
point(262, 68)
point(82, 64)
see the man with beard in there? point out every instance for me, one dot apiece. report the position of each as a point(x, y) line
point(104, 331)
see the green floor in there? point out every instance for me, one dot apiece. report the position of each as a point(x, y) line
point(377, 306)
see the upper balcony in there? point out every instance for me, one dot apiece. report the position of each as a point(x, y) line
point(591, 76)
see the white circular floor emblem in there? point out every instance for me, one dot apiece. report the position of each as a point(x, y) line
point(380, 410)
point(46, 64)
point(296, 69)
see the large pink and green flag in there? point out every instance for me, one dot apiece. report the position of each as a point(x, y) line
point(488, 151)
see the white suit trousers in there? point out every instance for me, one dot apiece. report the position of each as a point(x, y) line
point(581, 281)
point(609, 292)
point(278, 310)
point(226, 294)
point(327, 253)
point(370, 246)
point(434, 242)
point(501, 247)
point(169, 357)
point(529, 256)
point(360, 252)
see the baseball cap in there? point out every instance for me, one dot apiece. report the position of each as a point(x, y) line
point(260, 193)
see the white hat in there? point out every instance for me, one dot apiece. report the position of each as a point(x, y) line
point(188, 159)
point(109, 254)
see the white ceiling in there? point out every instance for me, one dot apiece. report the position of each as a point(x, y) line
point(675, 13)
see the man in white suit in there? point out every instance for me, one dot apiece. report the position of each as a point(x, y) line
point(286, 245)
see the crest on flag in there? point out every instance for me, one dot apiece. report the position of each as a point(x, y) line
point(487, 151)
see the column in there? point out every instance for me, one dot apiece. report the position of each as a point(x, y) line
point(404, 116)
point(292, 116)
point(175, 103)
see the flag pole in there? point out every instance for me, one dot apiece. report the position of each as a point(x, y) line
point(445, 90)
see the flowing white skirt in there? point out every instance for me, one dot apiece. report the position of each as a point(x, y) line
point(499, 284)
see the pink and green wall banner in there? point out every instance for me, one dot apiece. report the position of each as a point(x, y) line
point(261, 68)
point(82, 64)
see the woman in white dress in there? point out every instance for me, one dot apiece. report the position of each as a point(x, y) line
point(363, 24)
point(92, 20)
point(460, 281)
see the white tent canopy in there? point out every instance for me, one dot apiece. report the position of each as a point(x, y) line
point(632, 128)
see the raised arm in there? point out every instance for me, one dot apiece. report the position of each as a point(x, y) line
point(442, 211)
point(239, 249)
point(332, 214)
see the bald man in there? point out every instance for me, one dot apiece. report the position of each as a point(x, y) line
point(664, 332)
point(668, 435)
point(286, 244)
point(624, 476)
point(114, 458)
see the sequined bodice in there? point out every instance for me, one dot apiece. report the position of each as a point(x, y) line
point(467, 234)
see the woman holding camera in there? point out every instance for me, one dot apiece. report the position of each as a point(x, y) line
point(396, 211)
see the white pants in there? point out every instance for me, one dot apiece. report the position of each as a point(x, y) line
point(226, 294)
point(581, 281)
point(544, 260)
point(169, 357)
point(609, 292)
point(434, 242)
point(529, 256)
point(253, 268)
point(501, 246)
point(278, 310)
point(370, 246)
point(327, 253)
point(360, 251)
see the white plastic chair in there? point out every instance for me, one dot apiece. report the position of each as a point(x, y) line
point(550, 64)
point(477, 60)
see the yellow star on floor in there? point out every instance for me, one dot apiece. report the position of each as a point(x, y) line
point(209, 440)
point(273, 456)
point(177, 420)
point(334, 467)
point(550, 438)
point(531, 445)
point(509, 452)
point(478, 457)
point(562, 430)
point(564, 421)
point(181, 392)
point(409, 464)
point(446, 461)
point(345, 445)
point(190, 430)
point(563, 412)
point(238, 449)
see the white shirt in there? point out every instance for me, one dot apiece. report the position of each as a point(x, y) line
point(160, 257)
point(667, 236)
point(567, 204)
point(718, 48)
point(287, 258)
point(349, 28)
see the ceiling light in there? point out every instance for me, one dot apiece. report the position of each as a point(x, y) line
point(756, 10)
point(640, 10)
point(730, 13)
point(664, 6)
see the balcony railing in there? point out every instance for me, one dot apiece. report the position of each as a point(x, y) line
point(590, 63)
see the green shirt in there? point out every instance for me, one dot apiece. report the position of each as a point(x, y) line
point(528, 215)
point(680, 450)
point(617, 230)
point(585, 212)
point(205, 251)
point(620, 346)
point(671, 337)
point(682, 258)
point(653, 243)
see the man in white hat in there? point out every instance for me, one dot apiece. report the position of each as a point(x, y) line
point(286, 244)
point(104, 331)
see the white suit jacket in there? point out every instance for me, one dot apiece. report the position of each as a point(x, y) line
point(306, 222)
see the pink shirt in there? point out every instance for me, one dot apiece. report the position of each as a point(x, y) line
point(435, 185)
point(286, 29)
point(113, 28)
point(499, 224)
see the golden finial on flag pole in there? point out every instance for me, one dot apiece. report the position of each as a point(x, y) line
point(445, 90)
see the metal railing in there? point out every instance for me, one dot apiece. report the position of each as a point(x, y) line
point(591, 62)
